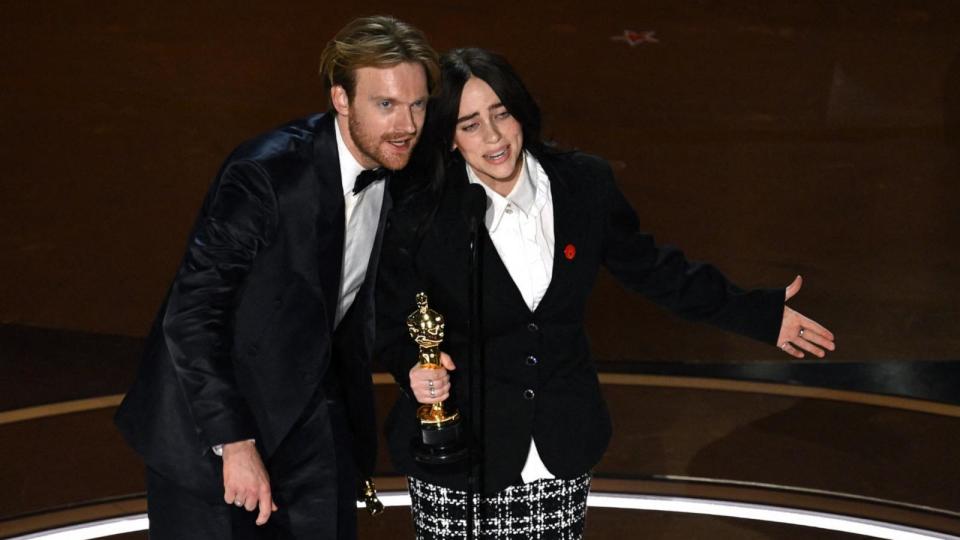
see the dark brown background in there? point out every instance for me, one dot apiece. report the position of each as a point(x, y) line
point(770, 137)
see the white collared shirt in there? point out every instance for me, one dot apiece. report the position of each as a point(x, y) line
point(521, 228)
point(362, 214)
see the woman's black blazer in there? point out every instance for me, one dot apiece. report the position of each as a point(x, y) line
point(539, 378)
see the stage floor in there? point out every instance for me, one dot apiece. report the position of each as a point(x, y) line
point(788, 435)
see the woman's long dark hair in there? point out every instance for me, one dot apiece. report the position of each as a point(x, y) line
point(434, 155)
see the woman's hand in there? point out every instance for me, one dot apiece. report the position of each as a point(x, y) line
point(799, 333)
point(431, 384)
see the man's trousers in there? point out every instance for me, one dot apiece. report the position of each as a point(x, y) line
point(314, 489)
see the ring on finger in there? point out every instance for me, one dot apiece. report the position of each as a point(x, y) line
point(433, 393)
point(801, 332)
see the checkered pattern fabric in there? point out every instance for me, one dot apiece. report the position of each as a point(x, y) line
point(544, 510)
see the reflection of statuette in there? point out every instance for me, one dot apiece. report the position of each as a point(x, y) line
point(426, 328)
point(369, 498)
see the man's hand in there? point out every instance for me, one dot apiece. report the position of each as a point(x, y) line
point(431, 384)
point(245, 479)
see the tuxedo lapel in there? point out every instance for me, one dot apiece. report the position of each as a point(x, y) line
point(378, 239)
point(358, 322)
point(330, 215)
point(365, 296)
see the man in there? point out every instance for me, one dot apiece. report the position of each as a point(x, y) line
point(253, 402)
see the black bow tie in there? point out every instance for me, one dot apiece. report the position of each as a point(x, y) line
point(369, 176)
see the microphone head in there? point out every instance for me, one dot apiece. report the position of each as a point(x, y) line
point(474, 201)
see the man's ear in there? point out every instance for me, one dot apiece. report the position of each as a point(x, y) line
point(340, 100)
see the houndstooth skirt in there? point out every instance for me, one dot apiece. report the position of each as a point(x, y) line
point(546, 510)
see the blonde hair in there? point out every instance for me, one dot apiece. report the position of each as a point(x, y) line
point(376, 41)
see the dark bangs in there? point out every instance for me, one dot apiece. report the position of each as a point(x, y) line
point(456, 67)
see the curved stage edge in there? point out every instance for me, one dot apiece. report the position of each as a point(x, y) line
point(784, 505)
point(606, 378)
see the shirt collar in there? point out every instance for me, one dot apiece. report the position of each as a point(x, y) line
point(349, 166)
point(529, 194)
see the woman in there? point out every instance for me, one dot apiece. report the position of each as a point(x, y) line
point(552, 219)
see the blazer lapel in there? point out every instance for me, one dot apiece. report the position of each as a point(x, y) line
point(330, 215)
point(569, 221)
point(497, 277)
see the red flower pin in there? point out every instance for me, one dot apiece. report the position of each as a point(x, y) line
point(570, 252)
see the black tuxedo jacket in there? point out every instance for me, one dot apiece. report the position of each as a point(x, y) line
point(245, 340)
point(540, 379)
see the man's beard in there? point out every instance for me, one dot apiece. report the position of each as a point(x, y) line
point(369, 145)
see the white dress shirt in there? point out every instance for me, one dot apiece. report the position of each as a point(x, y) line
point(362, 212)
point(521, 228)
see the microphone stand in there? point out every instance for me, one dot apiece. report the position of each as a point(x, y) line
point(476, 207)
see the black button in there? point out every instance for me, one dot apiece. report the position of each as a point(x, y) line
point(533, 327)
point(532, 360)
point(528, 394)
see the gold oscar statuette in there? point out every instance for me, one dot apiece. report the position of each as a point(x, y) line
point(440, 428)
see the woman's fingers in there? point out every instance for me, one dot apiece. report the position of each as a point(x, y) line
point(788, 348)
point(430, 384)
point(808, 346)
point(817, 338)
point(799, 334)
point(426, 394)
point(810, 325)
point(809, 340)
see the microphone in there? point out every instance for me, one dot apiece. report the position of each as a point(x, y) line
point(474, 206)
